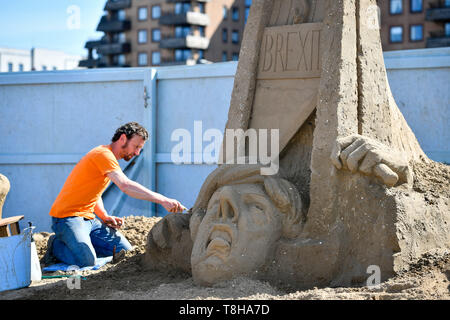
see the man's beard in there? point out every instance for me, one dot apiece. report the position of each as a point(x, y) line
point(127, 157)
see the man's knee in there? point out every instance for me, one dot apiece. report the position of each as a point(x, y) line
point(86, 256)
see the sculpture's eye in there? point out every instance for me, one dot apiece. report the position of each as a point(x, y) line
point(257, 207)
point(256, 202)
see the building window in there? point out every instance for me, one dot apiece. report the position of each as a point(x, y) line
point(142, 13)
point(416, 6)
point(156, 12)
point(235, 56)
point(224, 35)
point(21, 67)
point(183, 54)
point(178, 8)
point(225, 12)
point(396, 7)
point(235, 14)
point(156, 58)
point(396, 34)
point(121, 59)
point(447, 29)
point(235, 36)
point(121, 15)
point(187, 54)
point(201, 31)
point(201, 7)
point(416, 32)
point(142, 36)
point(178, 55)
point(182, 32)
point(122, 37)
point(10, 67)
point(142, 59)
point(224, 56)
point(156, 35)
point(182, 7)
point(119, 37)
point(248, 3)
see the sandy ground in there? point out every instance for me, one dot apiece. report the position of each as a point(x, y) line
point(428, 278)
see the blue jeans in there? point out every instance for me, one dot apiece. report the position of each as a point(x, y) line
point(78, 241)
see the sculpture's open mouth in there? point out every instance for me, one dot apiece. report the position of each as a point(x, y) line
point(219, 241)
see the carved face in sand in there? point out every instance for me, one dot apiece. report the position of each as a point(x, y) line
point(243, 222)
point(237, 233)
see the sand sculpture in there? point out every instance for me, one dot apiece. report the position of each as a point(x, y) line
point(343, 198)
point(4, 189)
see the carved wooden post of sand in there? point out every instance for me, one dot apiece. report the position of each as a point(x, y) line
point(4, 189)
point(343, 197)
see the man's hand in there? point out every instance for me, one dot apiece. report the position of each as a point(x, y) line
point(135, 190)
point(370, 157)
point(173, 205)
point(113, 222)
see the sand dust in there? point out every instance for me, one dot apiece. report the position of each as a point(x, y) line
point(428, 278)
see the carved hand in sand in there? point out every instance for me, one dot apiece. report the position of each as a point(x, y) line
point(365, 155)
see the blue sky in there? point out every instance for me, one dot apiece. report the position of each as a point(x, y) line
point(50, 24)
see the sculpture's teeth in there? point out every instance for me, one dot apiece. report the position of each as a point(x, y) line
point(221, 234)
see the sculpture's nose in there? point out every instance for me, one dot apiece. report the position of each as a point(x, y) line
point(228, 208)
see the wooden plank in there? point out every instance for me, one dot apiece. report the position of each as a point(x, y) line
point(10, 220)
point(15, 229)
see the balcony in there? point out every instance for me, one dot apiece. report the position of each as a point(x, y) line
point(114, 25)
point(114, 48)
point(93, 44)
point(438, 39)
point(187, 18)
point(117, 5)
point(188, 42)
point(439, 12)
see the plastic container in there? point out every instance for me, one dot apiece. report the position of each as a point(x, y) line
point(36, 272)
point(15, 260)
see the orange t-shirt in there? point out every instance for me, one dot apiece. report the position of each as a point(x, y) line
point(85, 184)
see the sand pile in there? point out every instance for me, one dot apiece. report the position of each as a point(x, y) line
point(428, 278)
point(432, 180)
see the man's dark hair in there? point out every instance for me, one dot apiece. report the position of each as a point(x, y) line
point(130, 129)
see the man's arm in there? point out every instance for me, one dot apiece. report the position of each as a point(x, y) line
point(100, 211)
point(136, 190)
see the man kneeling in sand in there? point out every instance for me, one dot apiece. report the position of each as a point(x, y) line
point(80, 237)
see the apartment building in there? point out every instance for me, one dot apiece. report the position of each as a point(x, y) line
point(168, 32)
point(414, 24)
